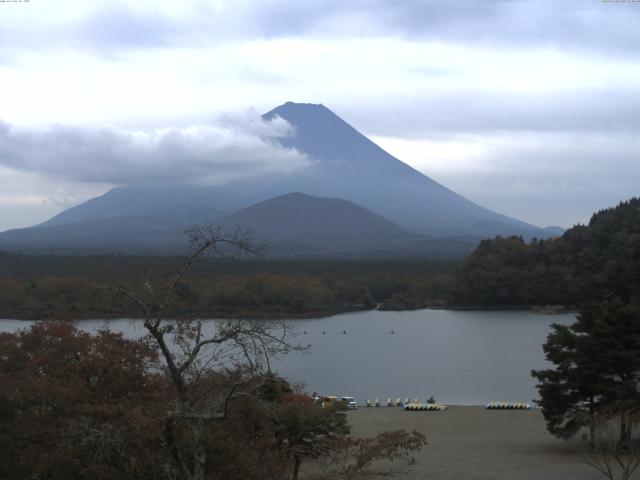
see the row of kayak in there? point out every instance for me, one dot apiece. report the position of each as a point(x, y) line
point(508, 406)
point(491, 406)
point(391, 403)
point(433, 407)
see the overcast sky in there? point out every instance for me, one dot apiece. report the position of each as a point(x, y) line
point(530, 108)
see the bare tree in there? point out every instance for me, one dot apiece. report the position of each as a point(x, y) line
point(385, 456)
point(614, 457)
point(193, 351)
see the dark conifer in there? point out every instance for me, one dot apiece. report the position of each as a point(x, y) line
point(597, 369)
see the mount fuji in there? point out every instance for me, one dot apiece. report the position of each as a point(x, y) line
point(379, 192)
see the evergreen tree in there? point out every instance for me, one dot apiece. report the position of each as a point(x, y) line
point(597, 369)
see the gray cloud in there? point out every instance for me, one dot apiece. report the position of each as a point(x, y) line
point(567, 23)
point(28, 198)
point(234, 148)
point(573, 23)
point(115, 25)
point(602, 110)
point(576, 24)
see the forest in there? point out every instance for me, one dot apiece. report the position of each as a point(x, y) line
point(509, 272)
point(578, 267)
point(68, 287)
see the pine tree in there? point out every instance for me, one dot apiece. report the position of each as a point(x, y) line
point(597, 370)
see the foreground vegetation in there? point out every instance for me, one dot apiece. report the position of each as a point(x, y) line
point(187, 402)
point(76, 406)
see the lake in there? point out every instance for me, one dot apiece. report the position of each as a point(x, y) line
point(459, 357)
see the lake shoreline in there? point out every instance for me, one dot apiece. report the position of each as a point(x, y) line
point(537, 309)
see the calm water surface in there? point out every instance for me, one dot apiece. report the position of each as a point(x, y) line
point(459, 357)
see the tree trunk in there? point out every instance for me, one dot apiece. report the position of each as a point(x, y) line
point(296, 466)
point(592, 434)
point(592, 424)
point(176, 455)
point(625, 431)
point(199, 450)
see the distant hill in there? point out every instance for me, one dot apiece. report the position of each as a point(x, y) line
point(346, 165)
point(292, 225)
point(582, 265)
point(302, 223)
point(299, 225)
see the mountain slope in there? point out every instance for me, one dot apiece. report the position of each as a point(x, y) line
point(352, 167)
point(346, 165)
point(292, 225)
point(137, 233)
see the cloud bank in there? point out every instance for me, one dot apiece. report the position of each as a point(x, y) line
point(110, 26)
point(212, 154)
point(556, 178)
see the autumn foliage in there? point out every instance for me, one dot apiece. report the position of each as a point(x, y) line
point(81, 406)
point(73, 405)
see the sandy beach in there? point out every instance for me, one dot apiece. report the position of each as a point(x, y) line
point(473, 443)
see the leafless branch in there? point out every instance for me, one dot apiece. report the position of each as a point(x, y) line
point(609, 456)
point(200, 396)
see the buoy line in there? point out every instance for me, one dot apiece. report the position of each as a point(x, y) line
point(350, 332)
point(499, 359)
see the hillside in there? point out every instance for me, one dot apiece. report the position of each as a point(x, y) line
point(582, 265)
point(151, 233)
point(290, 226)
point(304, 224)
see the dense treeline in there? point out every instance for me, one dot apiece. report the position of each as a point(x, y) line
point(578, 267)
point(68, 286)
point(581, 266)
